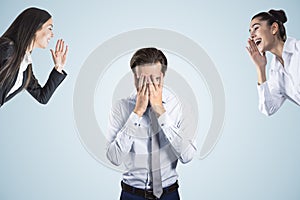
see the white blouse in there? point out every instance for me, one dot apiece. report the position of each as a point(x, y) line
point(24, 64)
point(283, 82)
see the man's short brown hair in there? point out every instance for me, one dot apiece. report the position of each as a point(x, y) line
point(149, 56)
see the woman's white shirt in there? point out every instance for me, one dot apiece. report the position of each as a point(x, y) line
point(283, 82)
point(24, 64)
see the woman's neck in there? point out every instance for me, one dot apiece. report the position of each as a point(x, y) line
point(30, 48)
point(277, 50)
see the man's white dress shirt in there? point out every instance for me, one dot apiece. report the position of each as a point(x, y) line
point(130, 144)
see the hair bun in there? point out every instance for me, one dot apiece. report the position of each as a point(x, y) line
point(279, 15)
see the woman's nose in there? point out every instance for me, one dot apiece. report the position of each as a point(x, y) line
point(252, 35)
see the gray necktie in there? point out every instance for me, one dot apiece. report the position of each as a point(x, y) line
point(155, 158)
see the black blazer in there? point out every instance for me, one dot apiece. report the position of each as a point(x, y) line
point(41, 94)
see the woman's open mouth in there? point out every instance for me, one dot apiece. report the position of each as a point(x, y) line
point(257, 42)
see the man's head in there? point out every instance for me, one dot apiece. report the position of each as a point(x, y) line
point(149, 62)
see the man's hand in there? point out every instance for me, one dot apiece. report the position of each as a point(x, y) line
point(155, 94)
point(142, 97)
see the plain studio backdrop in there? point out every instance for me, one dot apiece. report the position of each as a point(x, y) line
point(257, 157)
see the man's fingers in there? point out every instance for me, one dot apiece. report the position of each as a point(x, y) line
point(140, 83)
point(146, 91)
point(161, 80)
point(151, 86)
point(155, 82)
point(144, 85)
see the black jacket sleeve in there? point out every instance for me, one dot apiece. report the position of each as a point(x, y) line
point(43, 94)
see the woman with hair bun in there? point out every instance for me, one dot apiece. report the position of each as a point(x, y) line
point(31, 29)
point(267, 33)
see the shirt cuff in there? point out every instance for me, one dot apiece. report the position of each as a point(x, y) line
point(132, 125)
point(57, 74)
point(64, 72)
point(165, 122)
point(263, 92)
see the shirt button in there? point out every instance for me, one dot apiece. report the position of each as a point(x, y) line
point(162, 124)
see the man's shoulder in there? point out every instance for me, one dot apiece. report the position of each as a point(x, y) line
point(169, 96)
point(126, 100)
point(124, 104)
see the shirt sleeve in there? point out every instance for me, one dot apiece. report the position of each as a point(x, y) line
point(184, 148)
point(270, 98)
point(43, 94)
point(120, 134)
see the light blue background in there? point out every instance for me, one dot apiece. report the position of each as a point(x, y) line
point(257, 157)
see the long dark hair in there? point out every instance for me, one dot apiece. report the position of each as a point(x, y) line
point(272, 16)
point(16, 39)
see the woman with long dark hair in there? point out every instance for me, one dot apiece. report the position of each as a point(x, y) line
point(31, 29)
point(267, 33)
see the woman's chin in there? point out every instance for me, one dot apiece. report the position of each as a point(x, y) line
point(261, 50)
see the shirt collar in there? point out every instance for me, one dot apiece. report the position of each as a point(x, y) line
point(289, 45)
point(288, 48)
point(25, 62)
